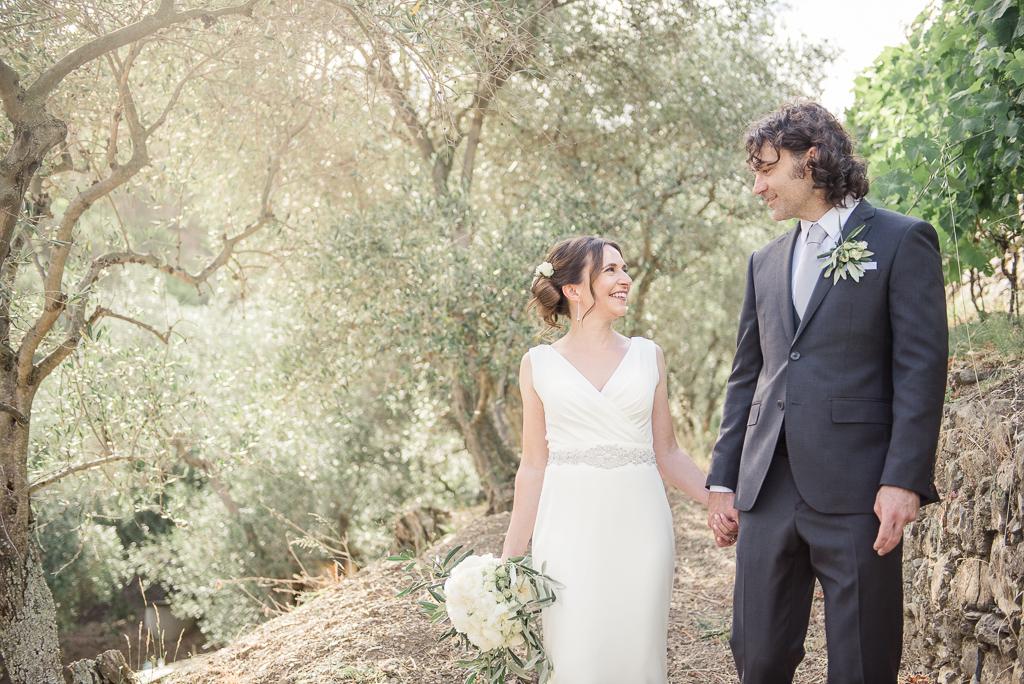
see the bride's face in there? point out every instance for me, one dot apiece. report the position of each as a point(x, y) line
point(611, 288)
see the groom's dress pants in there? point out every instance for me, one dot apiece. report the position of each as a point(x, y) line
point(783, 546)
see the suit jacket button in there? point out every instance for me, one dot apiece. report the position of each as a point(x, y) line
point(795, 356)
point(781, 404)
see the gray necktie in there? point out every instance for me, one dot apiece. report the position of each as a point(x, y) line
point(808, 271)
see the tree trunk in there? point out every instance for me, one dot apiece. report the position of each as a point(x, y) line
point(494, 460)
point(508, 415)
point(34, 137)
point(108, 667)
point(28, 620)
point(28, 616)
point(977, 296)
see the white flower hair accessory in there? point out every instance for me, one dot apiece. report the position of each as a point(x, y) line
point(544, 269)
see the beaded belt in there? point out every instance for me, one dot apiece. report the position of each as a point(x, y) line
point(604, 456)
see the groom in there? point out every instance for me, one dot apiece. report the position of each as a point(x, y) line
point(832, 410)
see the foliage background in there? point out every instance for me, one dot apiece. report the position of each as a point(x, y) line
point(940, 120)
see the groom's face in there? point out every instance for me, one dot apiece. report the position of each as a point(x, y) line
point(780, 181)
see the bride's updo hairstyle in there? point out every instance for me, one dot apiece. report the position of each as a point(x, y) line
point(568, 259)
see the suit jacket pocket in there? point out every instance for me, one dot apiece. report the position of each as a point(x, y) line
point(755, 410)
point(861, 411)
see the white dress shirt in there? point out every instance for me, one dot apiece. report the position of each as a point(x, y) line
point(832, 221)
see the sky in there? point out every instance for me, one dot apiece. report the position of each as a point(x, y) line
point(860, 30)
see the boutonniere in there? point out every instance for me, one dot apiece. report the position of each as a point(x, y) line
point(847, 258)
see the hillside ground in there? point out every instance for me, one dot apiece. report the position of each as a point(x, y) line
point(360, 632)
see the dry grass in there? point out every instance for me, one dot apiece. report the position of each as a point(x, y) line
point(360, 632)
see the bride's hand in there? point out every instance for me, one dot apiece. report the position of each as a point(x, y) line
point(723, 518)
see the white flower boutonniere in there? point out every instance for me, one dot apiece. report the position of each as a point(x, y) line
point(847, 258)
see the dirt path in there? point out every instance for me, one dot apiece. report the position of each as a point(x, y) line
point(359, 632)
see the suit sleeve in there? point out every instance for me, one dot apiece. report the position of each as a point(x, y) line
point(920, 350)
point(739, 393)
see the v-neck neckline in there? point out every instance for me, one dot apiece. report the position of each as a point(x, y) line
point(584, 378)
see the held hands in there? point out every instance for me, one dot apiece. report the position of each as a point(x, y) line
point(723, 518)
point(895, 507)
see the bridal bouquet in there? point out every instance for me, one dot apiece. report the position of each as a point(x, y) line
point(493, 608)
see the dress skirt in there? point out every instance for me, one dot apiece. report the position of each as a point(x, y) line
point(605, 534)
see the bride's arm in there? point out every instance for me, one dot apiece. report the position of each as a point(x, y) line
point(675, 465)
point(530, 476)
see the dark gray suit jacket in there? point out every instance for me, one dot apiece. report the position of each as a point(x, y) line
point(860, 383)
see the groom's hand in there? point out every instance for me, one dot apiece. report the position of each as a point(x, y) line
point(895, 507)
point(723, 518)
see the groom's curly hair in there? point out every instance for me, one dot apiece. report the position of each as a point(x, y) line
point(799, 126)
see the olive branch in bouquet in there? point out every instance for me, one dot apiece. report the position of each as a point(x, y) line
point(517, 593)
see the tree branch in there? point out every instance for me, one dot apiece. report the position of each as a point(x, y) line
point(100, 312)
point(54, 298)
point(37, 207)
point(488, 88)
point(161, 19)
point(650, 263)
point(121, 70)
point(105, 261)
point(18, 415)
point(66, 164)
point(222, 490)
point(385, 76)
point(710, 200)
point(77, 468)
point(481, 101)
point(10, 91)
point(177, 93)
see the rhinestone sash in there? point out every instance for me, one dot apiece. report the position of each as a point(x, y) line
point(604, 456)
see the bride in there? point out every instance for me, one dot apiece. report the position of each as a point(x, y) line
point(597, 444)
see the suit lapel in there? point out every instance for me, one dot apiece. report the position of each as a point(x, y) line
point(786, 300)
point(861, 216)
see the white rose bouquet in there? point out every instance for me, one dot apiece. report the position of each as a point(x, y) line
point(493, 608)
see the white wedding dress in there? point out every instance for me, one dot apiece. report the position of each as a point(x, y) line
point(604, 527)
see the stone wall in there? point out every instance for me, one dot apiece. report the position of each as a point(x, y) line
point(964, 558)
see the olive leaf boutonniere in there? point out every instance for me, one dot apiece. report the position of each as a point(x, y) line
point(847, 258)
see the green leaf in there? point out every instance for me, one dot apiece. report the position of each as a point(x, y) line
point(402, 557)
point(1015, 67)
point(451, 554)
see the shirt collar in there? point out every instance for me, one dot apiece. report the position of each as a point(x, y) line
point(833, 220)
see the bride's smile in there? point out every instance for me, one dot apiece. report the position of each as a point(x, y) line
point(612, 283)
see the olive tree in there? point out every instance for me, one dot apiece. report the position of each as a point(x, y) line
point(547, 119)
point(80, 129)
